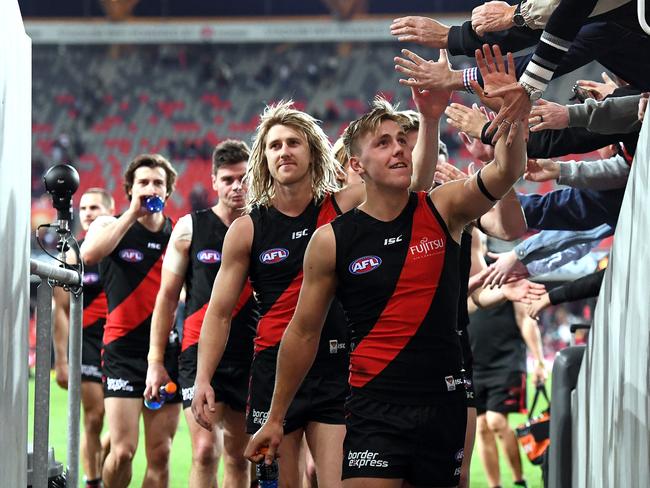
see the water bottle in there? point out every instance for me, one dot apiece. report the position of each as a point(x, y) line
point(154, 204)
point(267, 474)
point(166, 393)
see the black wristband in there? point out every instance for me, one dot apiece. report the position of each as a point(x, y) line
point(485, 137)
point(481, 186)
point(477, 222)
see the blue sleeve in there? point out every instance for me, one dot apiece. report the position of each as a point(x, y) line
point(572, 209)
point(559, 259)
point(549, 242)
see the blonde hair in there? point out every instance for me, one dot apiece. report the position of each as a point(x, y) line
point(323, 167)
point(369, 122)
point(411, 120)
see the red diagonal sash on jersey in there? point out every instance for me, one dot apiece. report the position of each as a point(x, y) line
point(407, 307)
point(272, 325)
point(136, 307)
point(97, 309)
point(193, 322)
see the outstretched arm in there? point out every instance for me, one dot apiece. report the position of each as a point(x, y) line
point(463, 201)
point(431, 105)
point(300, 340)
point(563, 26)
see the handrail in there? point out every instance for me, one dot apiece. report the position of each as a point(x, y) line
point(53, 275)
point(641, 14)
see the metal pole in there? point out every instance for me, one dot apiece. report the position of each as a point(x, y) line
point(42, 384)
point(640, 9)
point(74, 387)
point(45, 270)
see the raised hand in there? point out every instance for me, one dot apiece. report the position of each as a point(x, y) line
point(422, 74)
point(420, 30)
point(430, 104)
point(548, 115)
point(505, 267)
point(523, 291)
point(468, 120)
point(540, 170)
point(537, 306)
point(446, 172)
point(492, 17)
point(478, 150)
point(502, 93)
point(597, 89)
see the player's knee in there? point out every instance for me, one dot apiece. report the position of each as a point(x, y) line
point(94, 421)
point(235, 463)
point(205, 454)
point(497, 423)
point(123, 453)
point(158, 455)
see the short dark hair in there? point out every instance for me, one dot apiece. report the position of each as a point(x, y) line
point(107, 199)
point(230, 151)
point(150, 161)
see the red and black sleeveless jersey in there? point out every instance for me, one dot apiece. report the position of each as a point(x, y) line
point(277, 252)
point(398, 283)
point(94, 298)
point(208, 232)
point(131, 276)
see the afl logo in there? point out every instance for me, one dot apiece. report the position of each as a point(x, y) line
point(364, 265)
point(131, 255)
point(90, 278)
point(209, 256)
point(273, 256)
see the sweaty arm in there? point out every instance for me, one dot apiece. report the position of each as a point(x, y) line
point(103, 236)
point(465, 200)
point(425, 154)
point(174, 268)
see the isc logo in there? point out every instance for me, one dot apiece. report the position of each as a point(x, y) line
point(273, 256)
point(299, 234)
point(392, 240)
point(364, 265)
point(131, 255)
point(208, 256)
point(90, 278)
